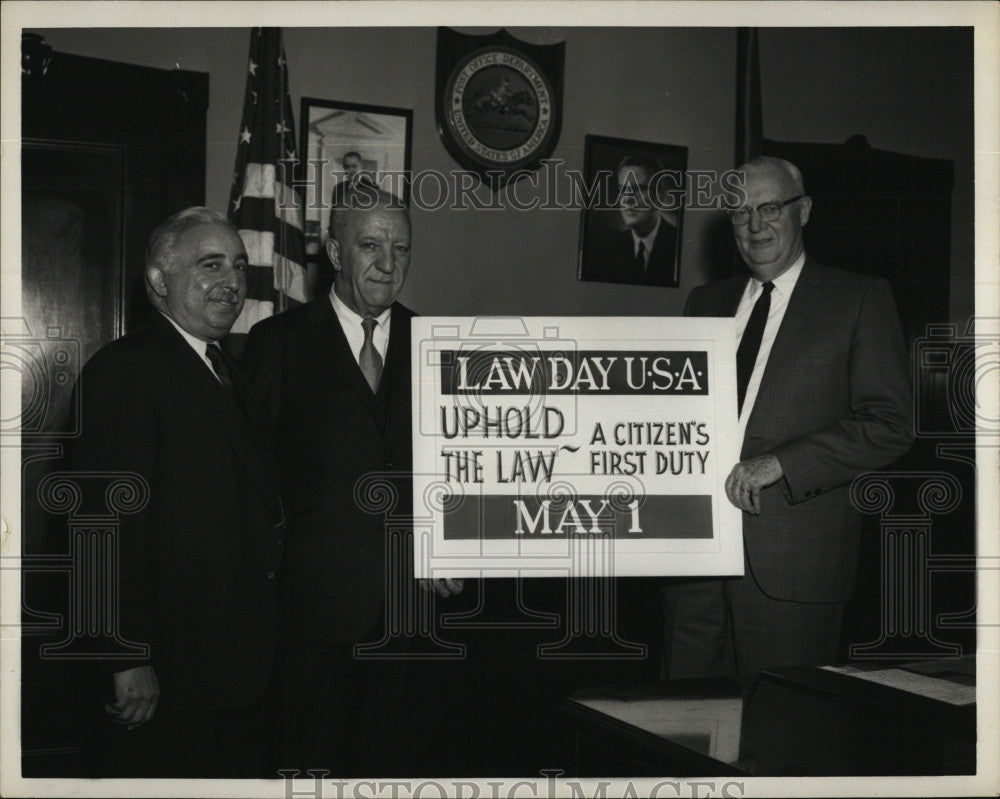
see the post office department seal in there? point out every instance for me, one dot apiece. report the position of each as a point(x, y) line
point(498, 106)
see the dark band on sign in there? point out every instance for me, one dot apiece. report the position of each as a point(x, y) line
point(680, 372)
point(493, 517)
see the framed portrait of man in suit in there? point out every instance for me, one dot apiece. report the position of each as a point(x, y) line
point(633, 210)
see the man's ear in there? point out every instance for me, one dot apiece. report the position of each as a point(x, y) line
point(805, 206)
point(157, 278)
point(333, 252)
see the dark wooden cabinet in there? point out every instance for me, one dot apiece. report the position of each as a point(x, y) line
point(881, 213)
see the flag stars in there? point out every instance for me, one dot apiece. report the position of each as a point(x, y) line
point(280, 128)
point(245, 135)
point(236, 203)
point(253, 68)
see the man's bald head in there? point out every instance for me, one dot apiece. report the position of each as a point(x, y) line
point(361, 197)
point(786, 171)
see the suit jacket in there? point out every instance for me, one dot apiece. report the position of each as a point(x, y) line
point(834, 401)
point(197, 565)
point(330, 431)
point(617, 257)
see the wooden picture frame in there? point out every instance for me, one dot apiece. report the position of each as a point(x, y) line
point(331, 130)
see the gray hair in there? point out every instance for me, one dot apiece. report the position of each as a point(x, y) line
point(163, 242)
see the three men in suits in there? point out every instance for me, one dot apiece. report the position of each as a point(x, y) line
point(198, 564)
point(645, 251)
point(824, 395)
point(334, 376)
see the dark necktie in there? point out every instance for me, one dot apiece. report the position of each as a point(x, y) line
point(746, 355)
point(640, 260)
point(214, 354)
point(369, 360)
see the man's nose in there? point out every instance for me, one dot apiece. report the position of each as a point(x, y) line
point(385, 262)
point(756, 222)
point(233, 278)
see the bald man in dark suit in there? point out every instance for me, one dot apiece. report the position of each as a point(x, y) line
point(824, 396)
point(334, 376)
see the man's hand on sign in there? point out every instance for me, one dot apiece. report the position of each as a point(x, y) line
point(745, 481)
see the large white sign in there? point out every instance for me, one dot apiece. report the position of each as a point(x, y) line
point(574, 446)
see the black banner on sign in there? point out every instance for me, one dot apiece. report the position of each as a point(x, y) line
point(675, 372)
point(496, 517)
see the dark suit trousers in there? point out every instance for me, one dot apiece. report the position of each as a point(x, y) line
point(730, 627)
point(339, 713)
point(180, 742)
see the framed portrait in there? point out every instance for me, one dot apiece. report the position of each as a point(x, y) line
point(631, 226)
point(344, 142)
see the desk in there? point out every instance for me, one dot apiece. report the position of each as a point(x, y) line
point(790, 722)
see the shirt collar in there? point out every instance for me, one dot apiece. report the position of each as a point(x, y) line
point(350, 318)
point(197, 344)
point(649, 238)
point(785, 282)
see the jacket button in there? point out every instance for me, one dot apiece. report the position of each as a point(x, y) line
point(270, 575)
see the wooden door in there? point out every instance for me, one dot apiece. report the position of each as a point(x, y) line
point(109, 150)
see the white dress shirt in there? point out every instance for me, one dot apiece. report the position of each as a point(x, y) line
point(196, 344)
point(648, 240)
point(355, 333)
point(784, 284)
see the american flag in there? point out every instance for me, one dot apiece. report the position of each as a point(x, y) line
point(268, 211)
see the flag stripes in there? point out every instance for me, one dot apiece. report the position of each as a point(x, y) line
point(268, 211)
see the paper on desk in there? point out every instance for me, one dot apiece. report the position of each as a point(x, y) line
point(942, 690)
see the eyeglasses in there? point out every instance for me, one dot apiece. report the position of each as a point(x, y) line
point(768, 211)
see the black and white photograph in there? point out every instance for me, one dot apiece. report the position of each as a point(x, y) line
point(601, 401)
point(635, 234)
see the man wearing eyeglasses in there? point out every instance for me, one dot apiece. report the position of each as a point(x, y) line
point(823, 396)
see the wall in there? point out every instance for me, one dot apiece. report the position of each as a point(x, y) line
point(663, 85)
point(671, 85)
point(909, 90)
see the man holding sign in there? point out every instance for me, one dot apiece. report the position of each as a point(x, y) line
point(824, 395)
point(334, 375)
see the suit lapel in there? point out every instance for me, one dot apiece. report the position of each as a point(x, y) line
point(733, 294)
point(337, 352)
point(801, 310)
point(196, 375)
point(396, 359)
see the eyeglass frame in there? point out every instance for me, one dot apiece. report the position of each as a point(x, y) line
point(779, 205)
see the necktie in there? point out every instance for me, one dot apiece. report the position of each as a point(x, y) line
point(214, 354)
point(369, 360)
point(640, 260)
point(746, 355)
